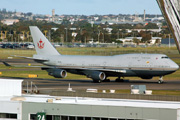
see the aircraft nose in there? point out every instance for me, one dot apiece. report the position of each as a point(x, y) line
point(176, 67)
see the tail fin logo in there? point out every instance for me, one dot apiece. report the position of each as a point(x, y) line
point(40, 44)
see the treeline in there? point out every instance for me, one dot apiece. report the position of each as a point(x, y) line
point(82, 31)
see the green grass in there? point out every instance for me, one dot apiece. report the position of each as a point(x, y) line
point(166, 92)
point(114, 51)
point(24, 74)
point(172, 52)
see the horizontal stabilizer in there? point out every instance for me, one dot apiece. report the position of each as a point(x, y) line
point(27, 66)
point(35, 59)
point(6, 64)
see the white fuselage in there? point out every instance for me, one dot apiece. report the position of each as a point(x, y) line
point(134, 64)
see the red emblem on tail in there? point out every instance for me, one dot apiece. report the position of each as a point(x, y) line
point(40, 44)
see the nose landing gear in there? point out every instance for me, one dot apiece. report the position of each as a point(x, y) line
point(160, 80)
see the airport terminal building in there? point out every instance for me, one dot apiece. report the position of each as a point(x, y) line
point(17, 106)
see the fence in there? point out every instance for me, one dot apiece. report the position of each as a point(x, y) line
point(115, 95)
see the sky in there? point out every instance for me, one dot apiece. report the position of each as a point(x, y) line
point(82, 7)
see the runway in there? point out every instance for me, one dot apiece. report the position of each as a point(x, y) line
point(62, 84)
point(80, 84)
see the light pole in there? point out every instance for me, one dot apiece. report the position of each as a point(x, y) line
point(103, 36)
point(66, 34)
point(27, 33)
point(23, 35)
point(49, 35)
point(169, 40)
point(5, 34)
point(12, 38)
point(98, 36)
point(1, 34)
point(118, 34)
point(45, 31)
point(14, 33)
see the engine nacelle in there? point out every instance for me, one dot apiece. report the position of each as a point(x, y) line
point(58, 73)
point(96, 75)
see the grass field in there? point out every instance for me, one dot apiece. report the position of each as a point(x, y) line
point(171, 52)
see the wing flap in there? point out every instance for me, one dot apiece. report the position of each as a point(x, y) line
point(122, 71)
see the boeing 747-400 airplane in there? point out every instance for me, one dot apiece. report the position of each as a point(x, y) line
point(99, 68)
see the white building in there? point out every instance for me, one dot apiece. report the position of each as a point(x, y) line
point(14, 106)
point(139, 30)
point(130, 39)
point(9, 21)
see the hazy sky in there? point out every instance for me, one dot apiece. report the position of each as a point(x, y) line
point(85, 7)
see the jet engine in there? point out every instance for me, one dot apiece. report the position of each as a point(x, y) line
point(58, 73)
point(97, 76)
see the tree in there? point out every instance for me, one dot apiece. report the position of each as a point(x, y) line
point(138, 26)
point(135, 40)
point(29, 14)
point(151, 26)
point(66, 22)
point(145, 36)
point(158, 41)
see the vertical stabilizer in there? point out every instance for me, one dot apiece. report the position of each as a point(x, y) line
point(42, 44)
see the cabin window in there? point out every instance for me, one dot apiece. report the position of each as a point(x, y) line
point(165, 57)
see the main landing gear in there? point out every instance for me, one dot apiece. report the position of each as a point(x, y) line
point(106, 80)
point(160, 80)
point(119, 79)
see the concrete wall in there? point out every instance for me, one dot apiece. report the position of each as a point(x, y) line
point(116, 95)
point(10, 87)
point(11, 107)
point(121, 112)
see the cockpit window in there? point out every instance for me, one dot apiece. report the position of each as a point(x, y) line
point(165, 57)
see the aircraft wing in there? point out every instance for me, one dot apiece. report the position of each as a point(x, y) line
point(96, 69)
point(68, 68)
point(85, 69)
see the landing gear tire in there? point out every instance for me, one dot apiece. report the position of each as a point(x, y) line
point(97, 81)
point(106, 80)
point(160, 82)
point(119, 80)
